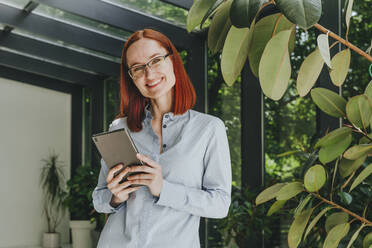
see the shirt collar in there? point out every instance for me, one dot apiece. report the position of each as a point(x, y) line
point(170, 115)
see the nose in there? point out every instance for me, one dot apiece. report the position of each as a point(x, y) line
point(148, 71)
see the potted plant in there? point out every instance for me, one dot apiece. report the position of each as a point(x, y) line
point(84, 218)
point(52, 181)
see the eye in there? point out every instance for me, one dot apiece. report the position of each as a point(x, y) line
point(138, 68)
point(156, 60)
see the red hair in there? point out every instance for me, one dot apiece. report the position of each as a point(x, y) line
point(132, 102)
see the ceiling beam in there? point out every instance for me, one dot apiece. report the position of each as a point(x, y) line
point(123, 18)
point(56, 30)
point(43, 68)
point(185, 4)
point(58, 53)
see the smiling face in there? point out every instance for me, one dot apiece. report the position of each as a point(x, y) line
point(155, 83)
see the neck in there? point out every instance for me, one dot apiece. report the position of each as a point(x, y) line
point(160, 106)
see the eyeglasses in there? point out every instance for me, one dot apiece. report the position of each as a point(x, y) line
point(136, 72)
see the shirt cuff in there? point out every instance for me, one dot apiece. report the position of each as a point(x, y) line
point(108, 197)
point(171, 195)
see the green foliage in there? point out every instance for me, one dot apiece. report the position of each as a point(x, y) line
point(52, 182)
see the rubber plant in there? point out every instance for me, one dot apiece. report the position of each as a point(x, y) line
point(339, 167)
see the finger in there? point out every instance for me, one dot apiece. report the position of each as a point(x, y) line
point(142, 168)
point(120, 176)
point(141, 176)
point(141, 181)
point(147, 160)
point(120, 187)
point(112, 171)
point(127, 191)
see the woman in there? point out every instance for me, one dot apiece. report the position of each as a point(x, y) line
point(188, 171)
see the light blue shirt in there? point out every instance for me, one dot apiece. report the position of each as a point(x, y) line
point(196, 171)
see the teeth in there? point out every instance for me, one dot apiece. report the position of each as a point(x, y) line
point(154, 83)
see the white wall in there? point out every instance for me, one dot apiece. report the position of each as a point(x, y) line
point(33, 120)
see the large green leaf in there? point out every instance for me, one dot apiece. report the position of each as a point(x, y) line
point(329, 102)
point(264, 29)
point(323, 46)
point(243, 12)
point(196, 13)
point(346, 166)
point(211, 11)
point(348, 12)
point(315, 178)
point(234, 53)
point(275, 207)
point(304, 13)
point(367, 241)
point(359, 111)
point(289, 190)
point(336, 219)
point(340, 66)
point(355, 236)
point(334, 137)
point(302, 204)
point(315, 220)
point(309, 72)
point(368, 90)
point(335, 235)
point(269, 193)
point(275, 67)
point(357, 151)
point(297, 228)
point(363, 175)
point(331, 152)
point(219, 27)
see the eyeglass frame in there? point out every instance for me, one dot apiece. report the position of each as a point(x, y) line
point(147, 64)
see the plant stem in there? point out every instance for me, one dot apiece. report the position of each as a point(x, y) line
point(364, 220)
point(357, 130)
point(346, 43)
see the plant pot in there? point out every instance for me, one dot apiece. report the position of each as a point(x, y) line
point(51, 240)
point(82, 233)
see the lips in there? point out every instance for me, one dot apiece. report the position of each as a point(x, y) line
point(155, 83)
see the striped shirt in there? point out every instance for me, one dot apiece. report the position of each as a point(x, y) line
point(196, 170)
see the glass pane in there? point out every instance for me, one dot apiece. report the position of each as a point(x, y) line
point(64, 44)
point(156, 8)
point(20, 4)
point(80, 21)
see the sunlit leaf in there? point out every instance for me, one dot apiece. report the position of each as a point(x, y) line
point(336, 219)
point(359, 111)
point(304, 13)
point(335, 235)
point(309, 72)
point(346, 166)
point(329, 102)
point(315, 220)
point(357, 151)
point(269, 193)
point(302, 204)
point(355, 235)
point(219, 27)
point(243, 12)
point(323, 46)
point(234, 53)
point(348, 12)
point(275, 67)
point(367, 241)
point(275, 207)
point(289, 190)
point(331, 152)
point(340, 66)
point(368, 90)
point(315, 178)
point(264, 29)
point(297, 228)
point(211, 11)
point(363, 175)
point(196, 13)
point(333, 137)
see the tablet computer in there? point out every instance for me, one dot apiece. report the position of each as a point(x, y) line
point(117, 147)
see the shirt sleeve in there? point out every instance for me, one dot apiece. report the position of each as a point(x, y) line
point(102, 195)
point(213, 200)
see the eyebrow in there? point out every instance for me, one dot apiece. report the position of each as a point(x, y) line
point(155, 54)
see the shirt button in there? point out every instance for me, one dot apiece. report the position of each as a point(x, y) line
point(164, 145)
point(164, 126)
